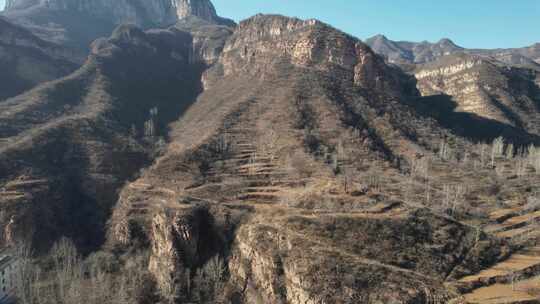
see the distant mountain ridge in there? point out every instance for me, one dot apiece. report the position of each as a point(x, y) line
point(405, 52)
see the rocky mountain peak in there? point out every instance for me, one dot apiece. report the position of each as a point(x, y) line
point(379, 37)
point(203, 9)
point(141, 12)
point(258, 41)
point(447, 43)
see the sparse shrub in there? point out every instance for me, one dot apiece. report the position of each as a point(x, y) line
point(298, 164)
point(533, 204)
point(420, 168)
point(222, 146)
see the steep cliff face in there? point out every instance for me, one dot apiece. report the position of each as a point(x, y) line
point(203, 9)
point(26, 60)
point(268, 39)
point(156, 12)
point(76, 23)
point(485, 88)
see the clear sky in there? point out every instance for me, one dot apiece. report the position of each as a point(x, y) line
point(470, 23)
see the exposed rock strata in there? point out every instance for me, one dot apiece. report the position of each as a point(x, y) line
point(486, 88)
point(77, 23)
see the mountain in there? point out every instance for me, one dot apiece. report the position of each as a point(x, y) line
point(501, 85)
point(404, 52)
point(291, 164)
point(277, 161)
point(410, 52)
point(67, 145)
point(76, 23)
point(485, 87)
point(26, 60)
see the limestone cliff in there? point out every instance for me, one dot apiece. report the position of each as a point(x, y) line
point(486, 88)
point(76, 23)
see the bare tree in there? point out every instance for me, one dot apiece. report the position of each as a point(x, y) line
point(453, 197)
point(150, 124)
point(444, 150)
point(66, 266)
point(497, 150)
point(210, 280)
point(26, 277)
point(533, 156)
point(509, 151)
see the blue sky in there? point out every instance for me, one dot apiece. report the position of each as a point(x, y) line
point(470, 23)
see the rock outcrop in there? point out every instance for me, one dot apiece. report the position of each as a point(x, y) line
point(486, 88)
point(77, 23)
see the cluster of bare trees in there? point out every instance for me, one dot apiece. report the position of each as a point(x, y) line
point(205, 285)
point(522, 158)
point(65, 278)
point(210, 281)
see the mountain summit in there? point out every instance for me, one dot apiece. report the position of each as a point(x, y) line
point(77, 23)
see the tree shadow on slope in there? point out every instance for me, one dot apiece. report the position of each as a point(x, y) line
point(472, 126)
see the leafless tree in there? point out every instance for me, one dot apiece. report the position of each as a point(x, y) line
point(26, 275)
point(210, 280)
point(444, 151)
point(533, 156)
point(453, 197)
point(520, 166)
point(497, 150)
point(66, 265)
point(509, 151)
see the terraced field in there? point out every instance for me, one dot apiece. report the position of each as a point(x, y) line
point(515, 280)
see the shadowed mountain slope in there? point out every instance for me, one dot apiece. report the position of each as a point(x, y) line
point(26, 60)
point(67, 145)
